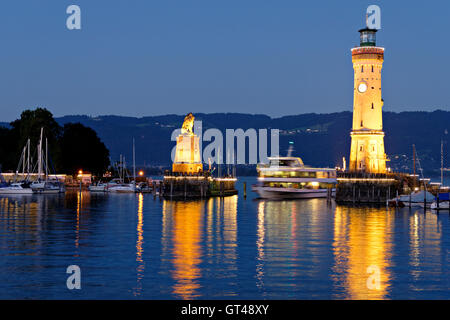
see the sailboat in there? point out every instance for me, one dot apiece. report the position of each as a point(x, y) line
point(125, 187)
point(20, 187)
point(44, 184)
point(119, 185)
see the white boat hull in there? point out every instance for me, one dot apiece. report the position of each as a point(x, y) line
point(122, 189)
point(290, 193)
point(8, 190)
point(444, 205)
point(47, 188)
point(47, 191)
point(97, 188)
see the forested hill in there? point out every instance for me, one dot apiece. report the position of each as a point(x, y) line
point(320, 139)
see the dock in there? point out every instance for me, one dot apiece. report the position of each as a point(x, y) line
point(196, 186)
point(371, 188)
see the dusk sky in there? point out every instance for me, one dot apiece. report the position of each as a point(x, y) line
point(148, 57)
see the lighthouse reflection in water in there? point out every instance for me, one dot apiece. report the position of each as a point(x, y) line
point(139, 247)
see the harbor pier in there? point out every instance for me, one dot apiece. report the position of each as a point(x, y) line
point(196, 186)
point(371, 188)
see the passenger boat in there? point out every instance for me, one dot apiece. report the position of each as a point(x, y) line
point(289, 178)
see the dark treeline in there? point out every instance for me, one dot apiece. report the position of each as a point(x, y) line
point(71, 147)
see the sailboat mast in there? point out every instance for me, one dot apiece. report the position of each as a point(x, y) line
point(28, 160)
point(120, 167)
point(46, 158)
point(442, 162)
point(134, 164)
point(40, 156)
point(24, 155)
point(218, 163)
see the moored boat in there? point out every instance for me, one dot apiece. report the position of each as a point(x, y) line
point(98, 187)
point(48, 187)
point(444, 205)
point(17, 188)
point(123, 188)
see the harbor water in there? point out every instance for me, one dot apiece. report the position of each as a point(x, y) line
point(135, 246)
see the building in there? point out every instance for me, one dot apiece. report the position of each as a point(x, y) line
point(367, 137)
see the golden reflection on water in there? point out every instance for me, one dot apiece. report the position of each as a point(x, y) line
point(83, 207)
point(139, 245)
point(362, 243)
point(79, 208)
point(22, 215)
point(186, 221)
point(185, 227)
point(260, 246)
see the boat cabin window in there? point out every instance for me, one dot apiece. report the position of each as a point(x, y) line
point(284, 163)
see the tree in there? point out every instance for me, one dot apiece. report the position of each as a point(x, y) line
point(82, 149)
point(29, 127)
point(8, 155)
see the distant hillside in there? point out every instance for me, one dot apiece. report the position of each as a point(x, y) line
point(320, 139)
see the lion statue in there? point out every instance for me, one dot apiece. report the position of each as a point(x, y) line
point(188, 124)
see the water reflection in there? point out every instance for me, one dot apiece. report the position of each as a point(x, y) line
point(29, 216)
point(218, 248)
point(21, 215)
point(289, 245)
point(139, 245)
point(199, 233)
point(362, 240)
point(425, 231)
point(185, 222)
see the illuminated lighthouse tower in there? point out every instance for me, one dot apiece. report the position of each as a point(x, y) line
point(367, 147)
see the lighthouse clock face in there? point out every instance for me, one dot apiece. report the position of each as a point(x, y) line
point(362, 87)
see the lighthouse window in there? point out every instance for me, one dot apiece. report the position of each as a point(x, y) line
point(360, 148)
point(372, 105)
point(361, 123)
point(372, 68)
point(362, 68)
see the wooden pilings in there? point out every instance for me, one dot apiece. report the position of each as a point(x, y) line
point(202, 185)
point(366, 188)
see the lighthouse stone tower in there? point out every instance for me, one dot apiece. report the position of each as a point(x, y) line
point(367, 146)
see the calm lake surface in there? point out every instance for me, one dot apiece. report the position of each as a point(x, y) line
point(136, 247)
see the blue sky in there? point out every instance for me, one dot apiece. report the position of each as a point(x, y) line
point(148, 57)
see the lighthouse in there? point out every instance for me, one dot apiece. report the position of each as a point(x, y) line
point(367, 137)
